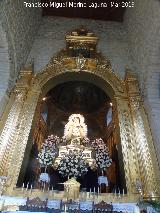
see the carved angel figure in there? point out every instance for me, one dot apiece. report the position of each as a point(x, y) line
point(75, 129)
point(80, 62)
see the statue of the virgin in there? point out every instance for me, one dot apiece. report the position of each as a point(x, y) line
point(76, 129)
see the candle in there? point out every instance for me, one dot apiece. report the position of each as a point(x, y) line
point(68, 177)
point(115, 192)
point(52, 188)
point(27, 186)
point(65, 208)
point(123, 192)
point(119, 193)
point(43, 186)
point(90, 190)
point(94, 190)
point(98, 190)
point(31, 188)
point(23, 187)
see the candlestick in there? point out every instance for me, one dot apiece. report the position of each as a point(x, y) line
point(115, 192)
point(31, 188)
point(65, 208)
point(90, 190)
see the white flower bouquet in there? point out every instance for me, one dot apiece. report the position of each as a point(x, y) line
point(48, 151)
point(102, 154)
point(73, 164)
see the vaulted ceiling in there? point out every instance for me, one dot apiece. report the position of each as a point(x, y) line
point(95, 9)
point(78, 96)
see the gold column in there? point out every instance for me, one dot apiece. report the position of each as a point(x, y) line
point(11, 128)
point(22, 139)
point(127, 143)
point(15, 133)
point(144, 145)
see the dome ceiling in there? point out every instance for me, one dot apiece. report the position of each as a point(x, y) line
point(93, 10)
point(77, 96)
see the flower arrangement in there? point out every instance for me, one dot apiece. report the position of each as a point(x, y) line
point(48, 151)
point(73, 164)
point(102, 154)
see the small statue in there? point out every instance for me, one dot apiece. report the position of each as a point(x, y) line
point(80, 62)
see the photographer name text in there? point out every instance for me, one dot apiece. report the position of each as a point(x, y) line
point(79, 4)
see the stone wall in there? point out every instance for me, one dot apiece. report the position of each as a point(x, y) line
point(4, 68)
point(18, 26)
point(142, 25)
point(51, 38)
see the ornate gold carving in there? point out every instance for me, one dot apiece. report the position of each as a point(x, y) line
point(2, 182)
point(81, 36)
point(22, 138)
point(143, 153)
point(134, 101)
point(9, 131)
point(128, 145)
point(16, 131)
point(142, 146)
point(61, 63)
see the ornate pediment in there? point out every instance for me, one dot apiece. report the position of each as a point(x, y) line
point(81, 52)
point(80, 55)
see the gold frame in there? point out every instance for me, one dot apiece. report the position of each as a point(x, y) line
point(138, 152)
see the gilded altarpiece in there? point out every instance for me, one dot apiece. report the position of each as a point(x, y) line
point(138, 153)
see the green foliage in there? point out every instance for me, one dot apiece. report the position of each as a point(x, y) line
point(154, 203)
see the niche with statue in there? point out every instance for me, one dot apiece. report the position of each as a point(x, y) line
point(74, 153)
